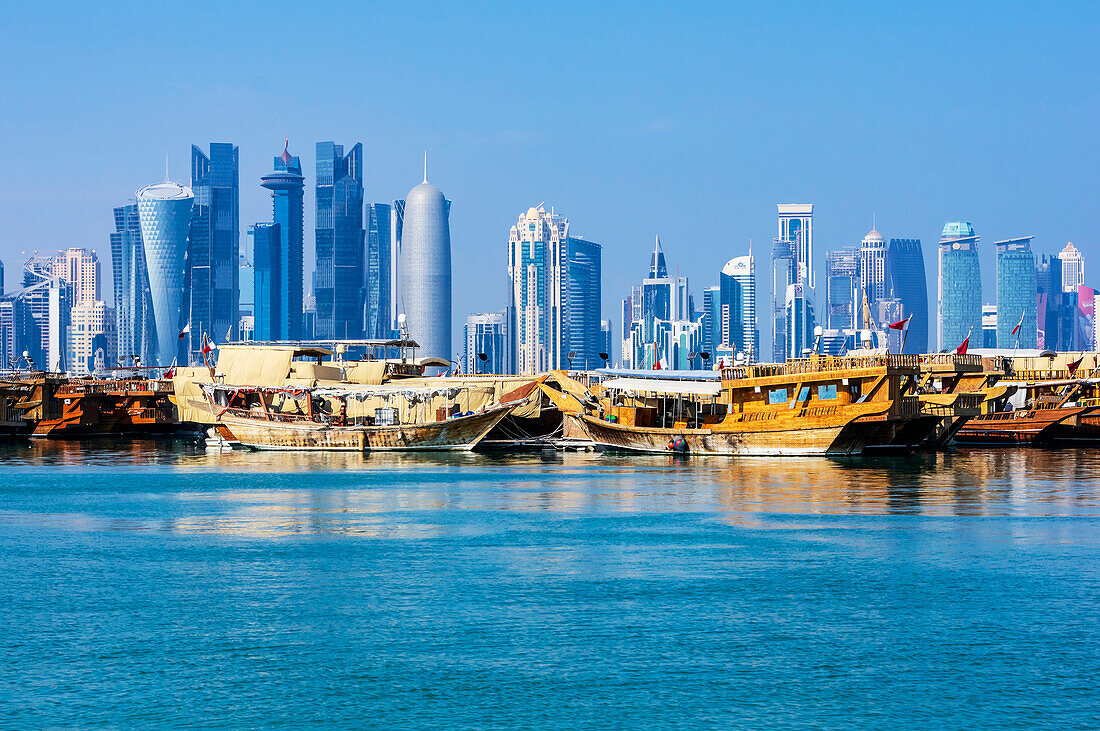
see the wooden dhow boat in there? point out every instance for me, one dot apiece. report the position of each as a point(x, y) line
point(383, 418)
point(808, 406)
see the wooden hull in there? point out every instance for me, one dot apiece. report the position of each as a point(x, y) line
point(1017, 427)
point(843, 434)
point(460, 434)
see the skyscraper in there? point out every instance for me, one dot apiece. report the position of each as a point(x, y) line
point(738, 306)
point(91, 336)
point(485, 334)
point(397, 223)
point(1073, 268)
point(1048, 286)
point(378, 318)
point(425, 269)
point(286, 184)
point(799, 317)
point(214, 248)
point(555, 293)
point(48, 300)
point(338, 283)
point(842, 288)
point(1017, 293)
point(959, 285)
point(784, 274)
point(905, 280)
point(792, 260)
point(269, 319)
point(872, 266)
point(989, 327)
point(132, 298)
point(164, 210)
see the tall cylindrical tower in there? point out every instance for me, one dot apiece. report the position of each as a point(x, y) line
point(164, 210)
point(425, 270)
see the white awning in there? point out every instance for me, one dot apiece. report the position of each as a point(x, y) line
point(653, 385)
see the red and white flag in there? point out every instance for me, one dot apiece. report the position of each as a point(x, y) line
point(901, 324)
point(1018, 324)
point(207, 345)
point(961, 350)
point(186, 329)
point(171, 372)
point(1075, 365)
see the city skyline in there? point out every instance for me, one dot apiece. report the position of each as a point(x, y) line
point(644, 128)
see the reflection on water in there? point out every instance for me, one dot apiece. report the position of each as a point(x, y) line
point(180, 487)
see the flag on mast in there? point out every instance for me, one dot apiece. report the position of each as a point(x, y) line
point(961, 350)
point(186, 329)
point(1075, 365)
point(1019, 324)
point(901, 324)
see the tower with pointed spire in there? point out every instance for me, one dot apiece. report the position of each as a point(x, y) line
point(660, 325)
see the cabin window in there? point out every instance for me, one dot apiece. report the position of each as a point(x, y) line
point(777, 396)
point(804, 393)
point(826, 393)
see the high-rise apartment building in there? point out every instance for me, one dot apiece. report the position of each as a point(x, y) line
point(164, 210)
point(872, 266)
point(379, 270)
point(555, 294)
point(91, 337)
point(486, 334)
point(1017, 293)
point(843, 297)
point(424, 270)
point(286, 183)
point(80, 269)
point(905, 281)
point(796, 225)
point(214, 247)
point(784, 274)
point(338, 280)
point(959, 285)
point(1073, 268)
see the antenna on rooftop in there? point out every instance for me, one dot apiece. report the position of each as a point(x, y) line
point(425, 166)
point(166, 167)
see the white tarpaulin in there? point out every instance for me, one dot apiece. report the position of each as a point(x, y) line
point(652, 385)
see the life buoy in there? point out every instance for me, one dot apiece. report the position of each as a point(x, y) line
point(671, 444)
point(680, 445)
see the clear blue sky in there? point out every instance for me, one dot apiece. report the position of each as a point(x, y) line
point(686, 120)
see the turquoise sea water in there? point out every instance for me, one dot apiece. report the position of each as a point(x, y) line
point(157, 585)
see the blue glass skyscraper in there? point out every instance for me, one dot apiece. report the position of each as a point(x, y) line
point(338, 283)
point(905, 281)
point(286, 184)
point(164, 210)
point(268, 289)
point(1017, 293)
point(214, 249)
point(133, 306)
point(960, 285)
point(378, 319)
point(580, 317)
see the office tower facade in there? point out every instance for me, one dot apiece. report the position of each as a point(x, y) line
point(1073, 268)
point(737, 307)
point(91, 337)
point(214, 247)
point(842, 288)
point(784, 274)
point(959, 285)
point(246, 296)
point(711, 318)
point(269, 321)
point(1049, 296)
point(555, 293)
point(132, 297)
point(1084, 337)
point(164, 210)
point(989, 328)
point(799, 319)
point(872, 266)
point(80, 269)
point(425, 270)
point(1017, 293)
point(485, 334)
point(397, 224)
point(286, 183)
point(338, 282)
point(905, 280)
point(377, 317)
